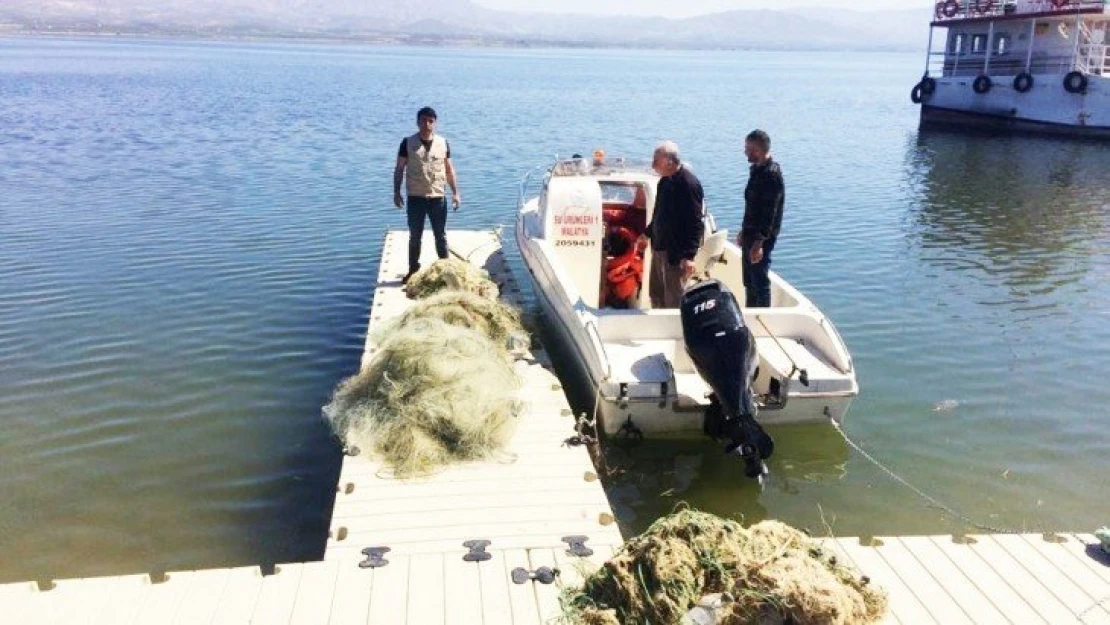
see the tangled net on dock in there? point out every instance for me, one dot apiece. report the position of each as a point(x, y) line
point(432, 394)
point(768, 573)
point(491, 317)
point(1103, 535)
point(451, 273)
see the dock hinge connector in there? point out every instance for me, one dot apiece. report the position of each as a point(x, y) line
point(477, 551)
point(543, 575)
point(374, 559)
point(577, 546)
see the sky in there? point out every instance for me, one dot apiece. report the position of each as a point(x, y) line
point(687, 8)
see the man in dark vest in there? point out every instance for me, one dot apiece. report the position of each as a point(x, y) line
point(763, 203)
point(676, 227)
point(424, 162)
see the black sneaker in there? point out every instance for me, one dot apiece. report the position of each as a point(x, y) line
point(408, 275)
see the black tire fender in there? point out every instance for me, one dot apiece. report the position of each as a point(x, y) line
point(982, 84)
point(1023, 82)
point(1075, 82)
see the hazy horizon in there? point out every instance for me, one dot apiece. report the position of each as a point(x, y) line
point(691, 8)
point(739, 23)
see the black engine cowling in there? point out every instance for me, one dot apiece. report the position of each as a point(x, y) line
point(723, 351)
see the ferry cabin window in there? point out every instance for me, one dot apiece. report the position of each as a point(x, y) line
point(958, 44)
point(978, 44)
point(1001, 43)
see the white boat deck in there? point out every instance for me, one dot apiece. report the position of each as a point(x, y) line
point(524, 504)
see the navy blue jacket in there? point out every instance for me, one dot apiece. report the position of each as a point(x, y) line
point(677, 222)
point(763, 202)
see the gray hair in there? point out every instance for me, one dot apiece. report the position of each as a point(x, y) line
point(670, 150)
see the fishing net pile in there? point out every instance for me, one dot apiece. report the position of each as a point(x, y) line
point(441, 387)
point(492, 318)
point(1103, 535)
point(769, 573)
point(453, 274)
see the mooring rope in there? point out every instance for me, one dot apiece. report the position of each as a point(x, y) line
point(920, 493)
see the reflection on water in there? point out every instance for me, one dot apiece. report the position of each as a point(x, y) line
point(1022, 213)
point(646, 479)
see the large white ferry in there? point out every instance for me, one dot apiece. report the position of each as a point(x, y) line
point(1037, 65)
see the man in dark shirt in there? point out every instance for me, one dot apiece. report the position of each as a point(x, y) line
point(763, 202)
point(676, 227)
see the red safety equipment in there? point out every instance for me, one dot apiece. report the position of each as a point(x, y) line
point(1059, 4)
point(950, 8)
point(624, 274)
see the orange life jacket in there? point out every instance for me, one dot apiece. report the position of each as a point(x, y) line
point(624, 274)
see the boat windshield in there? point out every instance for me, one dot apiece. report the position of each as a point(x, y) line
point(608, 165)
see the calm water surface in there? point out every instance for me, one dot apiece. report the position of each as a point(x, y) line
point(189, 235)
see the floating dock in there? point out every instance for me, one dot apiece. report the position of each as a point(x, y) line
point(445, 549)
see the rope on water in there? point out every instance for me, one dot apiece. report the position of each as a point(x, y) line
point(920, 493)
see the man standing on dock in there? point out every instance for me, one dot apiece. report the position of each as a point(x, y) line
point(676, 227)
point(424, 162)
point(763, 203)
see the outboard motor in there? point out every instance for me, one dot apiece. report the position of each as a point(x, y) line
point(723, 351)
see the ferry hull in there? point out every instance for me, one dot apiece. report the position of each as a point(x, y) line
point(939, 117)
point(1046, 108)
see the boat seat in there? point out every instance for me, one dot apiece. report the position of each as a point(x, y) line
point(777, 359)
point(620, 325)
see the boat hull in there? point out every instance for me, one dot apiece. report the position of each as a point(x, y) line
point(659, 415)
point(1047, 108)
point(936, 117)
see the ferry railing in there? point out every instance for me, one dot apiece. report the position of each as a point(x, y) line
point(970, 66)
point(1091, 52)
point(1094, 59)
point(953, 10)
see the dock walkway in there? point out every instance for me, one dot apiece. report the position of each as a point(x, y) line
point(524, 503)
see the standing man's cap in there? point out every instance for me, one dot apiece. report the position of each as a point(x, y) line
point(427, 111)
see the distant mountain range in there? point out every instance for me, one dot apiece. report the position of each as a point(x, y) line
point(447, 21)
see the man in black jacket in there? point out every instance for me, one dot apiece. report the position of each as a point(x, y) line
point(763, 202)
point(676, 227)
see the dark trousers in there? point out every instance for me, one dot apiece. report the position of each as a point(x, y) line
point(435, 208)
point(757, 284)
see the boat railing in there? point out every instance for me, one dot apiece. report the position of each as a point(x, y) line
point(1094, 59)
point(955, 10)
point(1091, 59)
point(523, 189)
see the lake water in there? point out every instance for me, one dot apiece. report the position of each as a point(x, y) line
point(189, 234)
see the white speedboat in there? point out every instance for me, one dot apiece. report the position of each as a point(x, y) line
point(1033, 65)
point(635, 358)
